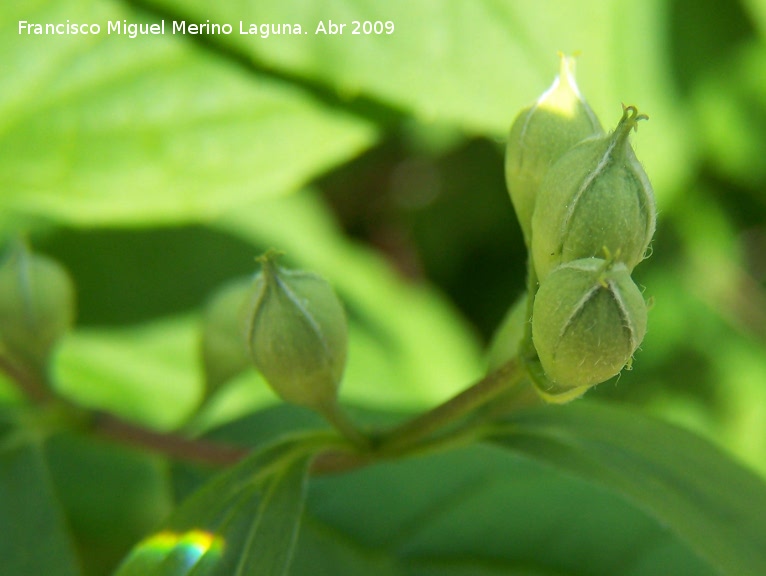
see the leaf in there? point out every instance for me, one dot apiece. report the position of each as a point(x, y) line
point(480, 510)
point(713, 504)
point(112, 495)
point(147, 372)
point(730, 103)
point(104, 129)
point(474, 63)
point(35, 538)
point(757, 11)
point(243, 522)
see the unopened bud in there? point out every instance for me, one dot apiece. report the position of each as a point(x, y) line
point(595, 201)
point(588, 319)
point(539, 136)
point(37, 306)
point(224, 353)
point(296, 333)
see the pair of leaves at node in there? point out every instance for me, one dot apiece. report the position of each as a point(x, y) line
point(244, 522)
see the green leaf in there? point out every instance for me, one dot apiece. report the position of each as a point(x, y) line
point(112, 495)
point(35, 537)
point(105, 129)
point(147, 373)
point(712, 503)
point(730, 103)
point(243, 522)
point(480, 510)
point(757, 11)
point(474, 63)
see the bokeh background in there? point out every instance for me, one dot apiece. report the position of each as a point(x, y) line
point(156, 168)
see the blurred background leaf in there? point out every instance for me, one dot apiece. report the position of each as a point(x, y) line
point(474, 64)
point(102, 129)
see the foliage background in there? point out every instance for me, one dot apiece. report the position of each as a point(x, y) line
point(156, 168)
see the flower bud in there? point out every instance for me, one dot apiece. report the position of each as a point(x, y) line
point(588, 319)
point(296, 333)
point(540, 134)
point(224, 354)
point(37, 304)
point(595, 200)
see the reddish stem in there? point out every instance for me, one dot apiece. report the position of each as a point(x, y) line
point(168, 444)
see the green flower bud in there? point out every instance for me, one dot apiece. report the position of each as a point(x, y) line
point(595, 200)
point(224, 354)
point(296, 333)
point(540, 134)
point(37, 304)
point(588, 319)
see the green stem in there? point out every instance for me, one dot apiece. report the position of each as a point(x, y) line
point(340, 420)
point(409, 434)
point(28, 383)
point(418, 434)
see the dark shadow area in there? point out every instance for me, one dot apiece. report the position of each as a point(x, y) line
point(126, 276)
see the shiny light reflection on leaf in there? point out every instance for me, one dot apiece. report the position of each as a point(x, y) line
point(171, 553)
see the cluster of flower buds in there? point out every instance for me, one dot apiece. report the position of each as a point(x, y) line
point(588, 214)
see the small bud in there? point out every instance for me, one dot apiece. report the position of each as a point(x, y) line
point(296, 333)
point(595, 200)
point(224, 353)
point(37, 303)
point(540, 134)
point(588, 319)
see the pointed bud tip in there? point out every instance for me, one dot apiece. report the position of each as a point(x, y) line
point(629, 121)
point(540, 135)
point(596, 196)
point(567, 66)
point(563, 96)
point(268, 260)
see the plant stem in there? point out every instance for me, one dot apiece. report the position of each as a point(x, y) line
point(335, 415)
point(27, 383)
point(336, 461)
point(416, 434)
point(412, 432)
point(168, 444)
